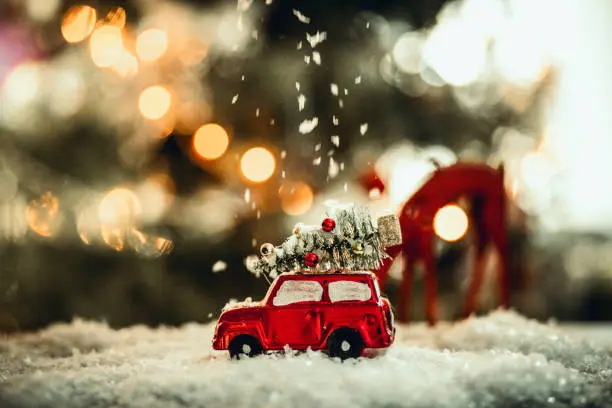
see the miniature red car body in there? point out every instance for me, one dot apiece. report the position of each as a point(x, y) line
point(342, 313)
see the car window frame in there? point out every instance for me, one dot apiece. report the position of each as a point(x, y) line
point(272, 294)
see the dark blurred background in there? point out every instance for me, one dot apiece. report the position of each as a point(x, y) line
point(148, 147)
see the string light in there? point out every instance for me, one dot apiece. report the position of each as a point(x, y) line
point(296, 197)
point(106, 46)
point(154, 102)
point(151, 44)
point(258, 164)
point(451, 223)
point(210, 141)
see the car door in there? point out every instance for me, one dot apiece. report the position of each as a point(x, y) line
point(295, 314)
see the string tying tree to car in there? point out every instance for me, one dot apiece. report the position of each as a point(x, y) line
point(347, 239)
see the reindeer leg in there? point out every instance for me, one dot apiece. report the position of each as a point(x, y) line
point(497, 225)
point(471, 297)
point(481, 240)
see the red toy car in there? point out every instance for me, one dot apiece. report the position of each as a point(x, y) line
point(342, 313)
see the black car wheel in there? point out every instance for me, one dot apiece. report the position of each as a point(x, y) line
point(345, 343)
point(244, 345)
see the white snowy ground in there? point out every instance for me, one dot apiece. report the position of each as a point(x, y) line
point(502, 360)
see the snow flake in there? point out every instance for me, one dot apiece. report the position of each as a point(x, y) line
point(301, 102)
point(283, 154)
point(345, 190)
point(316, 57)
point(219, 266)
point(358, 80)
point(301, 17)
point(335, 120)
point(333, 169)
point(308, 125)
point(257, 112)
point(247, 195)
point(317, 147)
point(242, 78)
point(341, 166)
point(334, 89)
point(299, 46)
point(272, 121)
point(335, 139)
point(297, 86)
point(235, 99)
point(307, 59)
point(345, 91)
point(341, 103)
point(316, 39)
point(363, 128)
point(316, 161)
point(268, 2)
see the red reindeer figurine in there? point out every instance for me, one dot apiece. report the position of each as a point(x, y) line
point(483, 187)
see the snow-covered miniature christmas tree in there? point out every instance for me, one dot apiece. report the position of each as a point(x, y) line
point(347, 239)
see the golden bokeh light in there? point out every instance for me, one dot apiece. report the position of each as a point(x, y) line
point(78, 23)
point(106, 46)
point(154, 102)
point(151, 44)
point(119, 207)
point(257, 164)
point(116, 17)
point(126, 65)
point(296, 197)
point(210, 141)
point(451, 223)
point(42, 215)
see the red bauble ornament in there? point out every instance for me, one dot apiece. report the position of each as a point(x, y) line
point(328, 224)
point(311, 259)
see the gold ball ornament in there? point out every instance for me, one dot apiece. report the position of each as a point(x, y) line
point(357, 248)
point(266, 249)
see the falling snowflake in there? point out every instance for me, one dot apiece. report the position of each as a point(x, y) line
point(235, 99)
point(317, 161)
point(334, 89)
point(333, 169)
point(247, 195)
point(219, 266)
point(307, 59)
point(308, 125)
point(257, 112)
point(283, 154)
point(341, 103)
point(299, 45)
point(363, 128)
point(335, 120)
point(302, 18)
point(358, 80)
point(335, 139)
point(316, 57)
point(297, 86)
point(301, 102)
point(316, 39)
point(318, 147)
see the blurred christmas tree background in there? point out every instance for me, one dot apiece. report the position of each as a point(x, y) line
point(148, 147)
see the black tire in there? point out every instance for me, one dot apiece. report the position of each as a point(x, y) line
point(345, 343)
point(244, 345)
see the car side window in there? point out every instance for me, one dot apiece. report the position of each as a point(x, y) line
point(295, 291)
point(349, 290)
